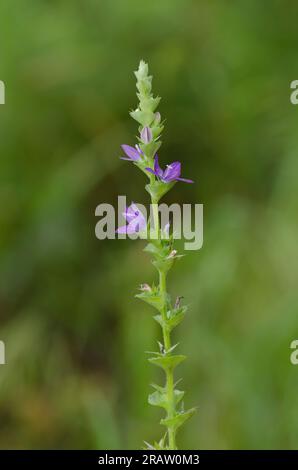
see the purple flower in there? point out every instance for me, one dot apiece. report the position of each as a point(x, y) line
point(171, 173)
point(133, 153)
point(146, 135)
point(136, 222)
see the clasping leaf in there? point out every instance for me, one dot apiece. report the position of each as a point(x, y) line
point(167, 362)
point(178, 419)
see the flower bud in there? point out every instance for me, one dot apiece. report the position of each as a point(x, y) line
point(157, 118)
point(178, 301)
point(145, 288)
point(172, 254)
point(146, 135)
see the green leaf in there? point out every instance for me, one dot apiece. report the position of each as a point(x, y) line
point(160, 249)
point(179, 394)
point(161, 445)
point(150, 103)
point(163, 265)
point(159, 320)
point(151, 298)
point(178, 419)
point(175, 316)
point(167, 362)
point(157, 130)
point(158, 189)
point(159, 398)
point(144, 85)
point(143, 164)
point(142, 71)
point(143, 117)
point(154, 248)
point(150, 149)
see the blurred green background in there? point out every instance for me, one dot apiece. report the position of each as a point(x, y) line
point(76, 373)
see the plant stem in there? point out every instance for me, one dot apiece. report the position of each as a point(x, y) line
point(166, 338)
point(169, 372)
point(155, 220)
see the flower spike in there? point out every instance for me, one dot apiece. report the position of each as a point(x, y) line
point(169, 314)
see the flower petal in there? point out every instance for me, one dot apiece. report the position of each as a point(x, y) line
point(128, 229)
point(132, 228)
point(122, 229)
point(172, 172)
point(135, 219)
point(137, 225)
point(184, 180)
point(131, 152)
point(131, 212)
point(135, 208)
point(151, 171)
point(157, 169)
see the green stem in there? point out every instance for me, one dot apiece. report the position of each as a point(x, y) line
point(155, 220)
point(169, 372)
point(154, 204)
point(166, 339)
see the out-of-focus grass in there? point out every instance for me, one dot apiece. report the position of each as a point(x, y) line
point(76, 375)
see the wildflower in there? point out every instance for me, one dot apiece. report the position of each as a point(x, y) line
point(170, 174)
point(146, 135)
point(150, 128)
point(136, 222)
point(133, 153)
